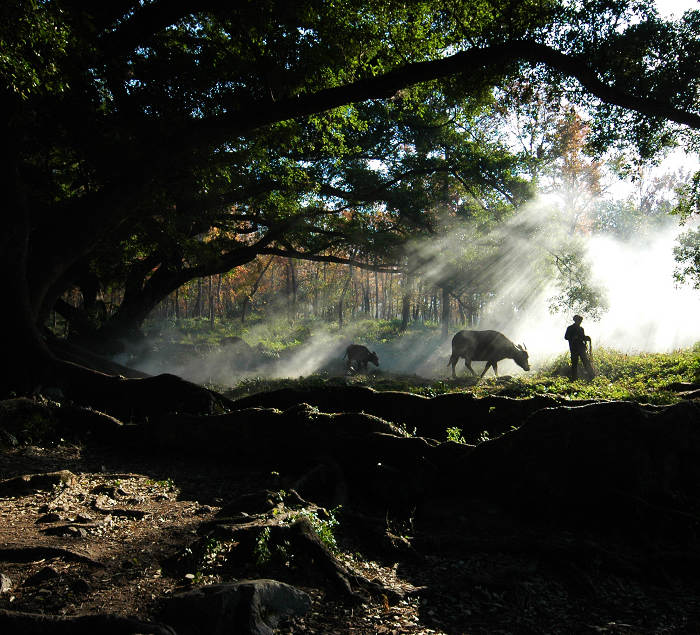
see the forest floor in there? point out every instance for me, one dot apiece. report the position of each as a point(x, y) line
point(112, 538)
point(128, 527)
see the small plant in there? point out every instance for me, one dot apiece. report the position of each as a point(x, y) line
point(211, 549)
point(199, 578)
point(262, 552)
point(323, 527)
point(404, 430)
point(483, 437)
point(455, 434)
point(168, 483)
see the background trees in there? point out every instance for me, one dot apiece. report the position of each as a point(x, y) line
point(149, 144)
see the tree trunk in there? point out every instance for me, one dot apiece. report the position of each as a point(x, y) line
point(406, 302)
point(314, 301)
point(368, 294)
point(342, 298)
point(376, 295)
point(291, 290)
point(29, 364)
point(27, 361)
point(254, 289)
point(445, 312)
point(198, 301)
point(211, 304)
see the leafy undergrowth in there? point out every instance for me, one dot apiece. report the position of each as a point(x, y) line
point(273, 335)
point(643, 377)
point(411, 361)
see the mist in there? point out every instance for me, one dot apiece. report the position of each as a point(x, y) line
point(646, 311)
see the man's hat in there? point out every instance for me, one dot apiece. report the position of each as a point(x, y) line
point(578, 317)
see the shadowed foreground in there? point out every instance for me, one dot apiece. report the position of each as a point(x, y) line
point(570, 519)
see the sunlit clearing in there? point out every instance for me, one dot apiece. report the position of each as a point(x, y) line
point(646, 310)
point(512, 276)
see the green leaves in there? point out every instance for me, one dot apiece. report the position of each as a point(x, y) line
point(687, 256)
point(34, 42)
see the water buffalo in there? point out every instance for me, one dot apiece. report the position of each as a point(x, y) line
point(361, 355)
point(485, 346)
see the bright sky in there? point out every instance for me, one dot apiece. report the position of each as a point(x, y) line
point(675, 8)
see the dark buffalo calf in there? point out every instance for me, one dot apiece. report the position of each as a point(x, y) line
point(361, 355)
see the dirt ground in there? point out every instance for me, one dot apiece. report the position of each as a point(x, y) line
point(115, 539)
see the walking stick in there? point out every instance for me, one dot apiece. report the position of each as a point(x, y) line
point(590, 369)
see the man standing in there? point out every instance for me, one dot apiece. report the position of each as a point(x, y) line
point(577, 346)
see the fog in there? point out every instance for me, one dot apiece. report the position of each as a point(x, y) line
point(646, 311)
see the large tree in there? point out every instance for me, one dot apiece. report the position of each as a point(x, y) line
point(113, 105)
point(301, 201)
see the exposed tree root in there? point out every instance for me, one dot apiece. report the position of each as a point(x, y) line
point(37, 552)
point(71, 352)
point(313, 562)
point(323, 478)
point(37, 624)
point(31, 483)
point(429, 417)
point(138, 398)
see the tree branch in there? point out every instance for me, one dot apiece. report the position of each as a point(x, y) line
point(261, 113)
point(299, 255)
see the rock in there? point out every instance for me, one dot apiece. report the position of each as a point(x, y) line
point(80, 585)
point(53, 392)
point(5, 583)
point(8, 440)
point(51, 517)
point(251, 606)
point(68, 531)
point(111, 491)
point(43, 575)
point(31, 483)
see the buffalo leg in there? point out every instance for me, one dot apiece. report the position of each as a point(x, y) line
point(468, 364)
point(453, 362)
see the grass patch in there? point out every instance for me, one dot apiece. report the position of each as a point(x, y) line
point(644, 377)
point(641, 377)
